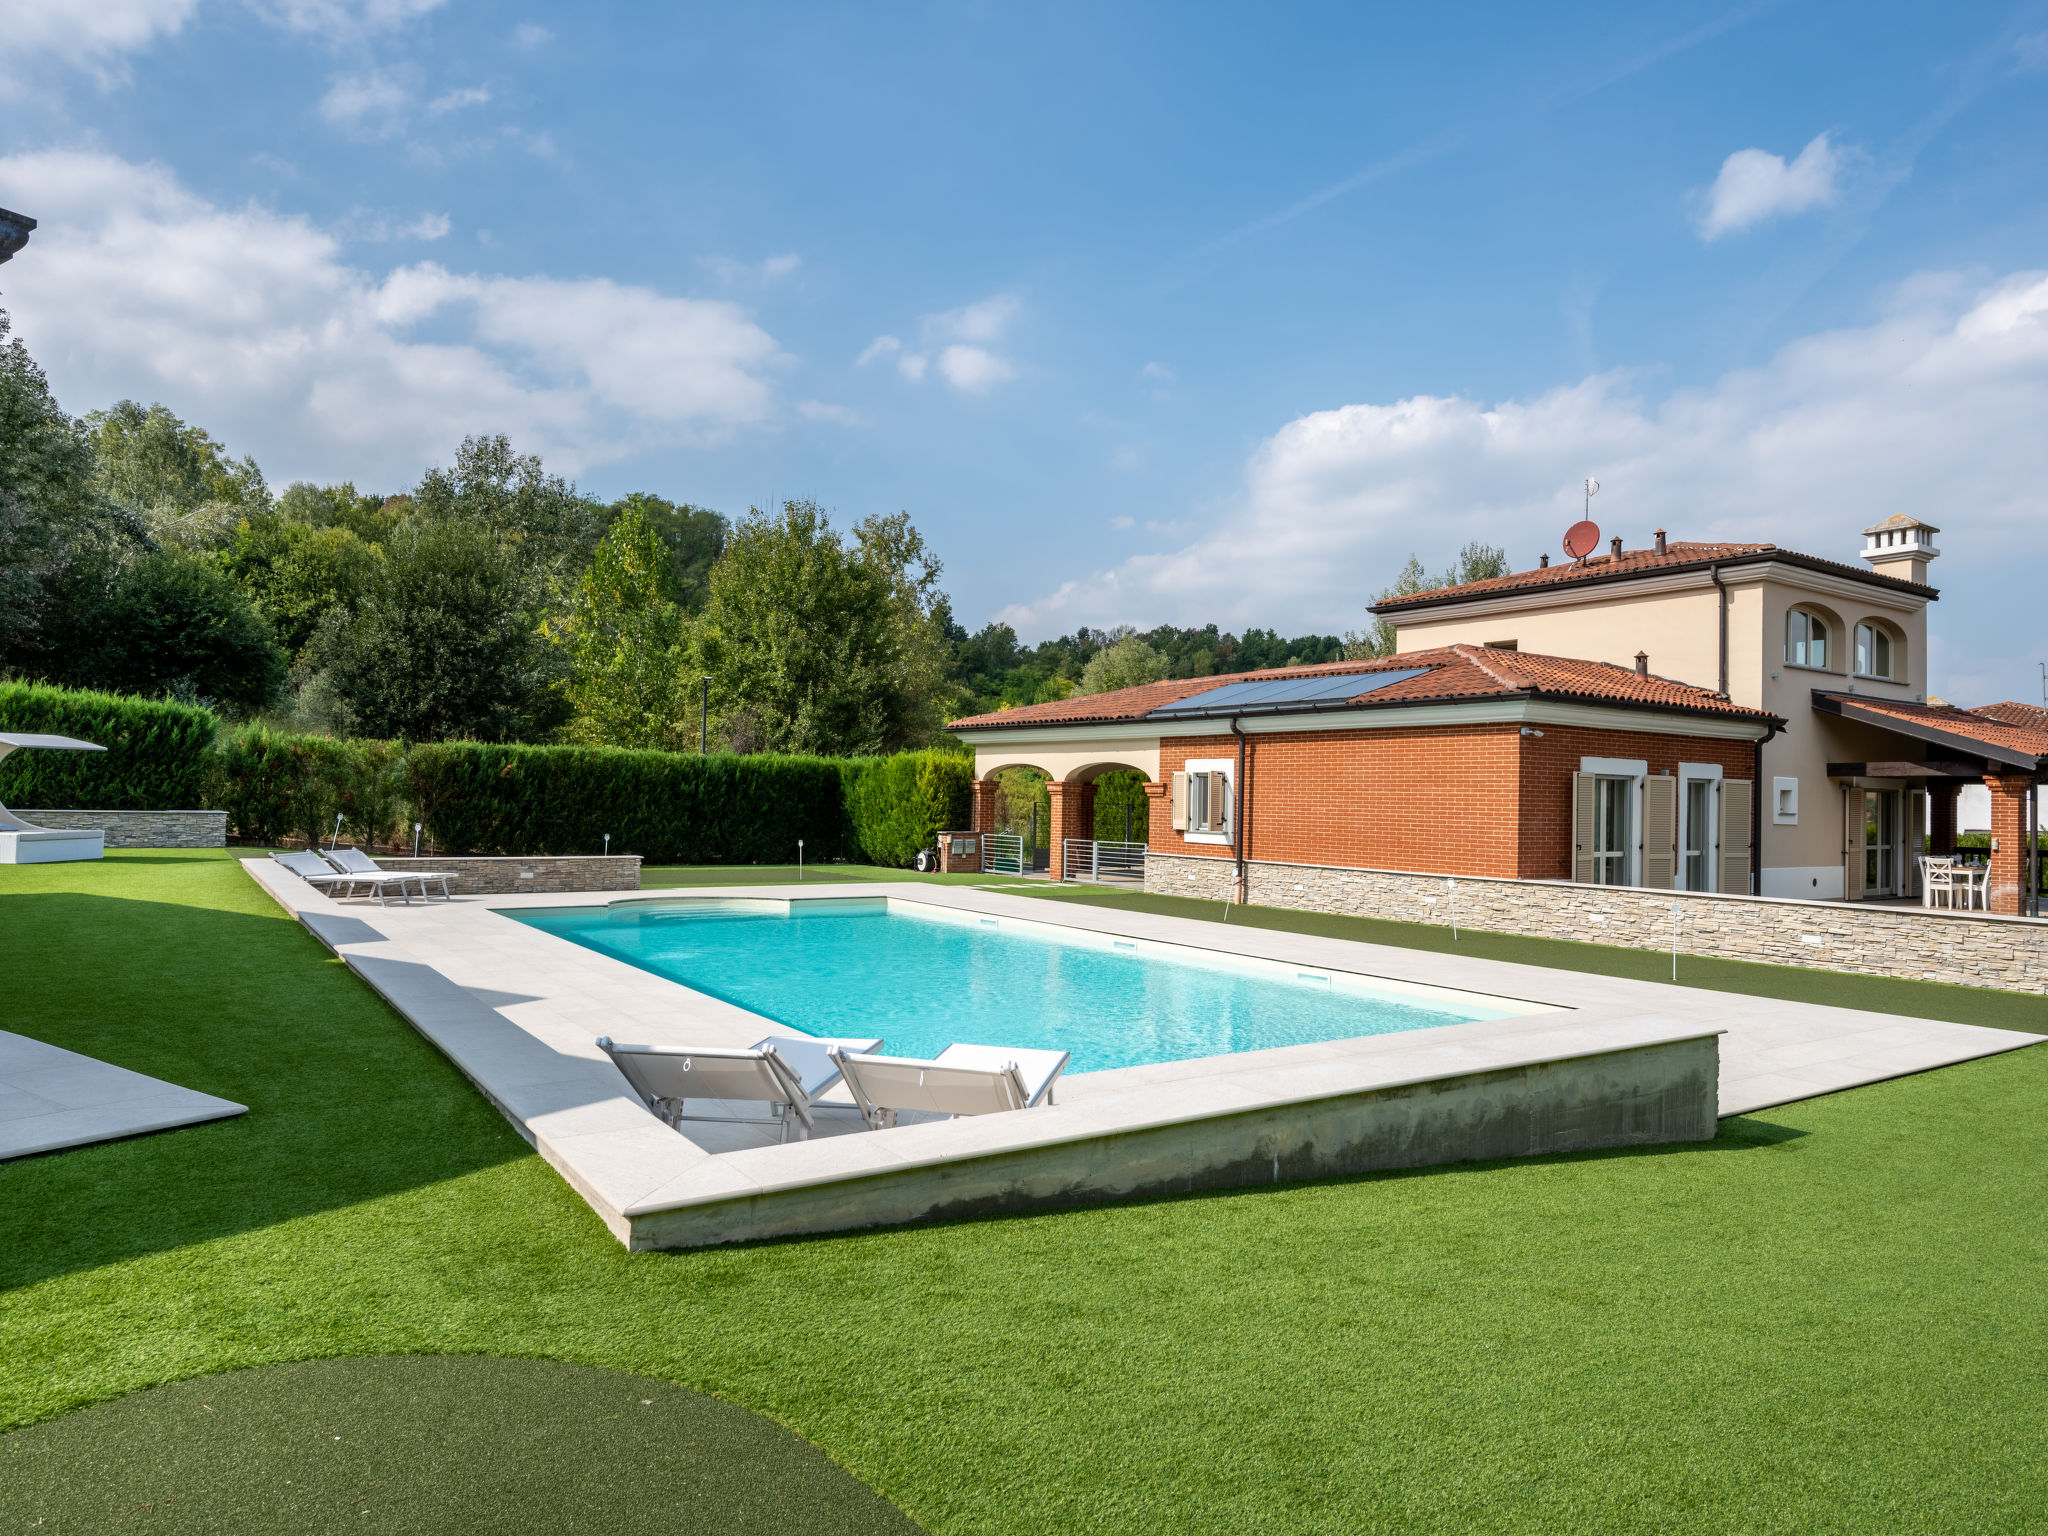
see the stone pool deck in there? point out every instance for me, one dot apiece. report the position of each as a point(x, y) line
point(1624, 1063)
point(51, 1099)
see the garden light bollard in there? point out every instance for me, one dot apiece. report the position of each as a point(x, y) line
point(415, 839)
point(607, 845)
point(1675, 917)
point(1452, 887)
point(799, 858)
point(335, 841)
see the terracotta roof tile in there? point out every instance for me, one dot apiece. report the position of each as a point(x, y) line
point(1972, 724)
point(1449, 674)
point(2031, 715)
point(1633, 563)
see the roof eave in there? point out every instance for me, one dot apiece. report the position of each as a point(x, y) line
point(1848, 707)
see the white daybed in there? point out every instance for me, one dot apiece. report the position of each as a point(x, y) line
point(23, 842)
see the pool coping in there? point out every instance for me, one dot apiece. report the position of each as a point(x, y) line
point(447, 968)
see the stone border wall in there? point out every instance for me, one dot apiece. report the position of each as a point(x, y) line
point(139, 829)
point(491, 876)
point(1971, 949)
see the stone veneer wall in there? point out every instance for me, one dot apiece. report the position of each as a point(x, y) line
point(140, 829)
point(499, 876)
point(1971, 949)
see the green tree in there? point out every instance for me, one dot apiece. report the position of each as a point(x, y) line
point(693, 537)
point(170, 624)
point(1125, 664)
point(631, 680)
point(369, 518)
point(173, 475)
point(52, 514)
point(296, 573)
point(445, 643)
point(511, 497)
point(1477, 561)
point(819, 647)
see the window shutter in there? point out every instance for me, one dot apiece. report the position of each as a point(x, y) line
point(1180, 802)
point(1582, 828)
point(1735, 813)
point(1219, 803)
point(1660, 832)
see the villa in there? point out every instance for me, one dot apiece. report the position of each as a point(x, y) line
point(1730, 718)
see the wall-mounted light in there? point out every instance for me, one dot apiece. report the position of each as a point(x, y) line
point(1530, 730)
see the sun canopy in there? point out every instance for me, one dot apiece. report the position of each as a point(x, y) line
point(1282, 695)
point(1954, 730)
point(9, 740)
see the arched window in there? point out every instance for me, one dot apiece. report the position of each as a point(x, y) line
point(1806, 639)
point(1873, 651)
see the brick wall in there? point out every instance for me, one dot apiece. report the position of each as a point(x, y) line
point(140, 829)
point(1967, 949)
point(497, 876)
point(1474, 799)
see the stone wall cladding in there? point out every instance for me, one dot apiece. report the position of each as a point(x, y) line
point(140, 829)
point(503, 876)
point(1967, 949)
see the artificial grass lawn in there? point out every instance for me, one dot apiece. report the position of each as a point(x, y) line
point(1828, 1319)
point(428, 1444)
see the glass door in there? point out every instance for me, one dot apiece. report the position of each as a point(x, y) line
point(1881, 842)
point(1698, 871)
point(1611, 830)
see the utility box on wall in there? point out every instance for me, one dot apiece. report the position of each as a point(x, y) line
point(959, 853)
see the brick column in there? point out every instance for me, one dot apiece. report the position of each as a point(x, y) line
point(1941, 818)
point(1073, 815)
point(2009, 840)
point(1158, 813)
point(988, 796)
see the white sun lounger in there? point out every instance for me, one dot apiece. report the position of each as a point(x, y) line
point(317, 872)
point(353, 861)
point(960, 1080)
point(787, 1073)
point(23, 842)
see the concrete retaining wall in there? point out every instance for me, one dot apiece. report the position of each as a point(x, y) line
point(139, 829)
point(1972, 949)
point(1649, 1094)
point(499, 876)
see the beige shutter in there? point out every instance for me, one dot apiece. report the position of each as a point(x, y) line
point(1180, 802)
point(1582, 827)
point(1852, 844)
point(1219, 802)
point(1736, 798)
point(1660, 832)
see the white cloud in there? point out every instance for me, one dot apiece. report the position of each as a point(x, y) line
point(1123, 524)
point(430, 226)
point(372, 102)
point(974, 369)
point(781, 266)
point(1158, 373)
point(1755, 185)
point(2030, 53)
point(1935, 409)
point(767, 270)
point(955, 342)
point(90, 35)
point(251, 323)
point(530, 34)
point(344, 20)
point(455, 101)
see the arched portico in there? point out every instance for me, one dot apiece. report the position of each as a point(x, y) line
point(1070, 788)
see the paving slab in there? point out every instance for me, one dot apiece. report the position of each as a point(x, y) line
point(51, 1099)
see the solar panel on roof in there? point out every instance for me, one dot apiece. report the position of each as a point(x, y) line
point(1282, 695)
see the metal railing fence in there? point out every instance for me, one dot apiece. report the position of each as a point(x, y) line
point(1002, 853)
point(1102, 863)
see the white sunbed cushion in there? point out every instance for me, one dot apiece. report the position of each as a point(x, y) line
point(806, 1056)
point(1037, 1067)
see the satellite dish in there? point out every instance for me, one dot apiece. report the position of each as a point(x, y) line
point(1581, 539)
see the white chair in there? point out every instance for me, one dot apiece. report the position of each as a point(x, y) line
point(788, 1074)
point(321, 875)
point(353, 861)
point(1937, 881)
point(960, 1080)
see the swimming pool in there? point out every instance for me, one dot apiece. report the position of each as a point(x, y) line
point(922, 977)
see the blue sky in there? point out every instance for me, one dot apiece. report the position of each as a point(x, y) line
point(1145, 314)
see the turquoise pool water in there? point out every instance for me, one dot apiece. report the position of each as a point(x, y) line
point(924, 978)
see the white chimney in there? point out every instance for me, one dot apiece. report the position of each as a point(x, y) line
point(1900, 547)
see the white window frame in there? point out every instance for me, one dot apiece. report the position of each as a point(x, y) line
point(1808, 664)
point(1228, 768)
point(1687, 773)
point(1781, 817)
point(1637, 770)
point(1891, 645)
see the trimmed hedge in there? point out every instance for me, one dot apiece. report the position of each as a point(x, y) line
point(897, 805)
point(276, 785)
point(158, 755)
point(670, 808)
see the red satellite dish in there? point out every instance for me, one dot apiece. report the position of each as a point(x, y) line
point(1581, 539)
